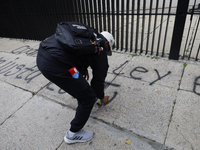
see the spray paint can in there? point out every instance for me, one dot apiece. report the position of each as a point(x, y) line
point(99, 103)
point(74, 72)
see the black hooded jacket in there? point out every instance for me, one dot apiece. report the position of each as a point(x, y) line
point(98, 62)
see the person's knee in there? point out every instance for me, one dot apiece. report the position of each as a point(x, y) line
point(87, 103)
point(88, 95)
point(92, 101)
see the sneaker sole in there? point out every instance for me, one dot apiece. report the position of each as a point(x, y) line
point(76, 141)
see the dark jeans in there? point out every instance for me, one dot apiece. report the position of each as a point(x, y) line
point(78, 88)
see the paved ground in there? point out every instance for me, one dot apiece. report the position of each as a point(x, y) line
point(155, 104)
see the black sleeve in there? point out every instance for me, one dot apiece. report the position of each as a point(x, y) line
point(99, 65)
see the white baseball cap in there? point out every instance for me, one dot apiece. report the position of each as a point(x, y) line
point(110, 39)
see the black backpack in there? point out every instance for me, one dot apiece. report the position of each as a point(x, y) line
point(78, 38)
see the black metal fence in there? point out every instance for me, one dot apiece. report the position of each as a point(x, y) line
point(151, 27)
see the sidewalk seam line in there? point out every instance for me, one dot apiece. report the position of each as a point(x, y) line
point(173, 107)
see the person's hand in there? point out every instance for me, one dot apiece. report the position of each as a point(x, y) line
point(86, 75)
point(105, 100)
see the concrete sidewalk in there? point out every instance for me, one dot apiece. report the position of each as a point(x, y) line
point(155, 104)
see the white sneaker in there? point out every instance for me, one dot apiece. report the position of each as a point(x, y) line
point(80, 136)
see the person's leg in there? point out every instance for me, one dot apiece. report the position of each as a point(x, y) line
point(83, 110)
point(78, 88)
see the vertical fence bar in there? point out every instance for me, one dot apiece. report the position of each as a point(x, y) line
point(75, 11)
point(132, 26)
point(58, 15)
point(24, 19)
point(100, 16)
point(108, 14)
point(161, 23)
point(26, 22)
point(117, 24)
point(137, 26)
point(51, 9)
point(45, 29)
point(184, 50)
point(95, 12)
point(66, 11)
point(104, 15)
point(54, 18)
point(72, 11)
point(20, 19)
point(43, 14)
point(178, 29)
point(83, 11)
point(79, 6)
point(197, 53)
point(113, 18)
point(3, 18)
point(191, 17)
point(91, 11)
point(127, 25)
point(122, 25)
point(143, 26)
point(194, 38)
point(47, 17)
point(8, 17)
point(154, 29)
point(149, 26)
point(62, 11)
point(79, 10)
point(87, 12)
point(170, 4)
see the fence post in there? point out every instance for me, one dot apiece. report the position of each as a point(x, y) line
point(179, 25)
